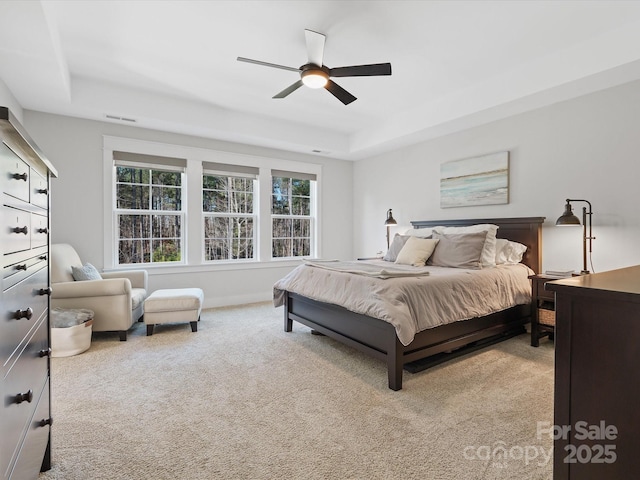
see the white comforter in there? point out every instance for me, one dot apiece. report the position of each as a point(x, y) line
point(413, 304)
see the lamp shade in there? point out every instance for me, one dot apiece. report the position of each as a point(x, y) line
point(568, 218)
point(390, 220)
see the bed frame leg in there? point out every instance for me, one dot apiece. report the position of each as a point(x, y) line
point(394, 365)
point(288, 323)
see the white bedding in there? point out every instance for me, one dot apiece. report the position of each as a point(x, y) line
point(368, 269)
point(415, 303)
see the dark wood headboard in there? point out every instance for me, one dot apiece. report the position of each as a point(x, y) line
point(525, 230)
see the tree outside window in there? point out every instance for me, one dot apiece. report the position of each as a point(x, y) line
point(149, 215)
point(228, 208)
point(291, 208)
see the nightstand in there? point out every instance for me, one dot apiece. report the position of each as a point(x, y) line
point(543, 315)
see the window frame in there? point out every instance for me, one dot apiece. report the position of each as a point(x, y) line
point(311, 217)
point(253, 215)
point(150, 212)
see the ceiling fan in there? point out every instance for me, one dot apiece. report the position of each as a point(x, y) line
point(316, 75)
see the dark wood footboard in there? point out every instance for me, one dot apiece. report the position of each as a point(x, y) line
point(378, 338)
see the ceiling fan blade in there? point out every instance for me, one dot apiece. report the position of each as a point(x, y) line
point(339, 92)
point(289, 89)
point(315, 46)
point(267, 64)
point(361, 70)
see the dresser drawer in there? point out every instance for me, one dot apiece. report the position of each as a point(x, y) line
point(17, 257)
point(23, 385)
point(32, 451)
point(15, 232)
point(16, 301)
point(39, 230)
point(39, 190)
point(15, 174)
point(546, 294)
point(21, 268)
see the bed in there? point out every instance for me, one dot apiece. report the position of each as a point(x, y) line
point(379, 338)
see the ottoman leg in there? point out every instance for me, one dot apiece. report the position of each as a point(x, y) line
point(194, 326)
point(149, 330)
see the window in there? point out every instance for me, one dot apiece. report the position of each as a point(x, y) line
point(174, 207)
point(148, 210)
point(292, 217)
point(228, 206)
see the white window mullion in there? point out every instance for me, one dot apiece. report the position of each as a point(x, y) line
point(264, 232)
point(194, 225)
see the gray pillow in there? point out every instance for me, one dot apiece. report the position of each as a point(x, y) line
point(458, 250)
point(86, 272)
point(396, 246)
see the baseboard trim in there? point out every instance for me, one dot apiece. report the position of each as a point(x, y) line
point(228, 301)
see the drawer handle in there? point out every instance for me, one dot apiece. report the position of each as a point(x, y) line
point(43, 230)
point(45, 291)
point(42, 257)
point(45, 421)
point(21, 267)
point(24, 230)
point(22, 397)
point(20, 176)
point(28, 313)
point(43, 191)
point(45, 352)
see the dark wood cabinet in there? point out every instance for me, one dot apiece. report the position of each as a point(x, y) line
point(543, 315)
point(597, 382)
point(25, 414)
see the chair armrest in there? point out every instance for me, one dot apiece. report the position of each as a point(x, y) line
point(138, 278)
point(91, 288)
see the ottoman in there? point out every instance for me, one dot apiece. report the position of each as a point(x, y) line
point(173, 305)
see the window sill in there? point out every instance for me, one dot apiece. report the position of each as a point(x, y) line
point(208, 267)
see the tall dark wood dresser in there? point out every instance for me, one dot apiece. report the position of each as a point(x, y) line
point(25, 415)
point(597, 376)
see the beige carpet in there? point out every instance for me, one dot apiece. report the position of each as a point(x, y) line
point(242, 399)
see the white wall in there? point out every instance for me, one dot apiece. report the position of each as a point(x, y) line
point(8, 100)
point(75, 146)
point(587, 148)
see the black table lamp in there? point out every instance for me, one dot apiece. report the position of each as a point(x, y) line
point(390, 221)
point(568, 218)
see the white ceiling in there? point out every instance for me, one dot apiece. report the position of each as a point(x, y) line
point(171, 65)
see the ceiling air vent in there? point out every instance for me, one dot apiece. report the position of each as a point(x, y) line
point(123, 119)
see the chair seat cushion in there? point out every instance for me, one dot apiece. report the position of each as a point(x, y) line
point(137, 297)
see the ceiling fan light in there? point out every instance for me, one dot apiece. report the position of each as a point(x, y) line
point(315, 78)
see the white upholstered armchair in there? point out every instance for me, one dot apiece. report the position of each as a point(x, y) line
point(117, 300)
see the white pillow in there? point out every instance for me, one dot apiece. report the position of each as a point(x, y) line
point(416, 251)
point(509, 252)
point(488, 256)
